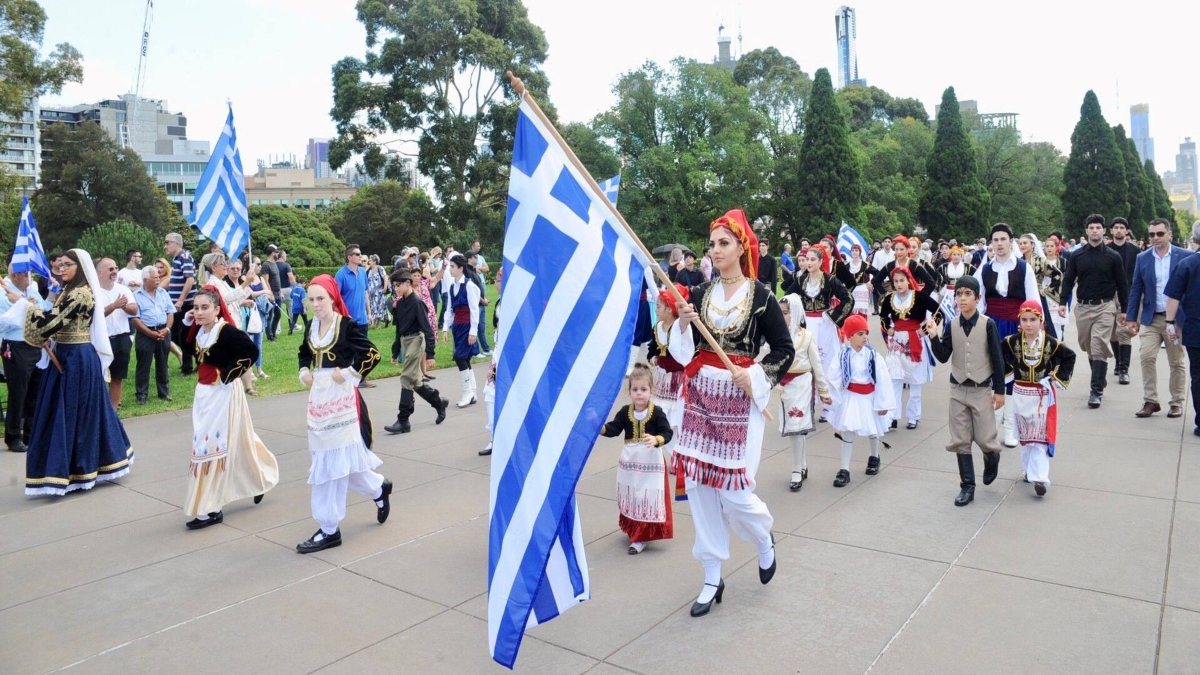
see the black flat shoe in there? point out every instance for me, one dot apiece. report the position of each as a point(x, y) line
point(912, 425)
point(441, 411)
point(795, 485)
point(18, 446)
point(1040, 489)
point(486, 451)
point(700, 609)
point(766, 575)
point(1123, 378)
point(822, 419)
point(258, 499)
point(213, 519)
point(895, 424)
point(319, 542)
point(385, 492)
point(398, 427)
point(872, 466)
point(965, 496)
point(843, 478)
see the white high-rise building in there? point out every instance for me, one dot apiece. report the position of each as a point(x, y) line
point(21, 149)
point(847, 37)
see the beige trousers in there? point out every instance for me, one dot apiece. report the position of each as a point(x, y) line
point(1153, 336)
point(972, 418)
point(1095, 326)
point(1119, 334)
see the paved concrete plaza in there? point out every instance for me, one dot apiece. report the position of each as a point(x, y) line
point(1100, 576)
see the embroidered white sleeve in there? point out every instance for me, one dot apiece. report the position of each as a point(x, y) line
point(760, 385)
point(680, 344)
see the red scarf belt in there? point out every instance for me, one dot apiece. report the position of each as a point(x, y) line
point(669, 364)
point(705, 357)
point(912, 327)
point(865, 389)
point(1008, 309)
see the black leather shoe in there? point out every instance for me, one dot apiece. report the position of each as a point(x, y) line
point(700, 609)
point(1094, 400)
point(1040, 489)
point(895, 424)
point(1123, 378)
point(258, 499)
point(872, 466)
point(843, 478)
point(822, 420)
point(441, 411)
point(912, 425)
point(991, 467)
point(398, 427)
point(766, 575)
point(17, 446)
point(385, 492)
point(965, 496)
point(319, 542)
point(166, 398)
point(213, 519)
point(795, 486)
point(486, 451)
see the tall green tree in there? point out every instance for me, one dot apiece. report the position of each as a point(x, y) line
point(1094, 179)
point(953, 203)
point(309, 242)
point(25, 72)
point(87, 179)
point(434, 70)
point(1138, 192)
point(386, 217)
point(597, 156)
point(829, 172)
point(1023, 179)
point(893, 160)
point(1160, 202)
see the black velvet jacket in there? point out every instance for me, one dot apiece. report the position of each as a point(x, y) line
point(655, 424)
point(831, 289)
point(232, 353)
point(351, 348)
point(765, 324)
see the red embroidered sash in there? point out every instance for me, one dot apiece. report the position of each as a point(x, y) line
point(912, 327)
point(864, 389)
point(462, 314)
point(1008, 309)
point(705, 357)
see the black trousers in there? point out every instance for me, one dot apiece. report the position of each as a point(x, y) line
point(24, 380)
point(1194, 377)
point(179, 336)
point(151, 350)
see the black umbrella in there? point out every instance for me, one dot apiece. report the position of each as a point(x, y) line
point(666, 249)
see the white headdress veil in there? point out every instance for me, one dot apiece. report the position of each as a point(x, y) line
point(796, 316)
point(99, 329)
point(1038, 249)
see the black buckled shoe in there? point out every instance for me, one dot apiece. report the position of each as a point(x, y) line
point(385, 493)
point(701, 608)
point(213, 519)
point(912, 425)
point(991, 467)
point(843, 478)
point(319, 542)
point(795, 485)
point(872, 466)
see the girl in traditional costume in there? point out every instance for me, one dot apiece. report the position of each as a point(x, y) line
point(643, 495)
point(720, 438)
point(1038, 365)
point(902, 317)
point(1049, 274)
point(805, 374)
point(462, 321)
point(863, 397)
point(827, 303)
point(668, 374)
point(77, 439)
point(334, 357)
point(950, 271)
point(860, 271)
point(213, 268)
point(229, 460)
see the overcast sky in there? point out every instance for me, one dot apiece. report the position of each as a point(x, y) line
point(272, 58)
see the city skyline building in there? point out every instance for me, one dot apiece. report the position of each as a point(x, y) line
point(1139, 131)
point(295, 188)
point(316, 157)
point(21, 150)
point(846, 24)
point(725, 57)
point(1185, 168)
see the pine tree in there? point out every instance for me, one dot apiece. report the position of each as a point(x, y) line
point(954, 203)
point(1094, 179)
point(829, 185)
point(1160, 203)
point(1138, 194)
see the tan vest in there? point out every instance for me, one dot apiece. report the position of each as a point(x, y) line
point(970, 359)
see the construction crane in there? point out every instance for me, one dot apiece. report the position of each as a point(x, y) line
point(139, 81)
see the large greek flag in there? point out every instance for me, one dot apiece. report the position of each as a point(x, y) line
point(219, 211)
point(572, 279)
point(28, 254)
point(848, 237)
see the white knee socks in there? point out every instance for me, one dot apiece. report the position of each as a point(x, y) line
point(847, 451)
point(799, 454)
point(874, 446)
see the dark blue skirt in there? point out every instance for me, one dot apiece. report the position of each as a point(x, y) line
point(643, 330)
point(462, 350)
point(77, 438)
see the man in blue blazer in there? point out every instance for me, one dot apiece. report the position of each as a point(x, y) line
point(1147, 314)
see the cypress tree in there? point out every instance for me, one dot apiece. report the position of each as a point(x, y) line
point(829, 186)
point(1138, 194)
point(953, 203)
point(1160, 203)
point(1094, 178)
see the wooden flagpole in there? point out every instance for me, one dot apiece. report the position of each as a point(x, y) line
point(519, 87)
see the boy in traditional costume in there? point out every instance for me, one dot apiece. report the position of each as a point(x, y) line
point(414, 343)
point(863, 398)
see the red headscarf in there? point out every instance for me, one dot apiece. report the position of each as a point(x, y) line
point(325, 281)
point(735, 221)
point(223, 311)
point(901, 239)
point(668, 298)
point(1031, 306)
point(826, 263)
point(912, 281)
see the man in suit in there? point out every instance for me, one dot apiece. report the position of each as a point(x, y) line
point(1147, 297)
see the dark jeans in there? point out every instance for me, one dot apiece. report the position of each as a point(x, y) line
point(179, 336)
point(482, 329)
point(1194, 375)
point(24, 379)
point(158, 351)
point(274, 317)
point(303, 316)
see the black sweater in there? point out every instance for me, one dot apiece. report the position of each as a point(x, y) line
point(410, 318)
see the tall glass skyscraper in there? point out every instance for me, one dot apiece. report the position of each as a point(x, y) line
point(1139, 131)
point(847, 35)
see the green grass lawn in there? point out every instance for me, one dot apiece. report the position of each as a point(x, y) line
point(281, 363)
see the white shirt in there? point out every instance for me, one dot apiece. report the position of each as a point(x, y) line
point(118, 321)
point(472, 302)
point(128, 277)
point(1002, 268)
point(882, 257)
point(1162, 273)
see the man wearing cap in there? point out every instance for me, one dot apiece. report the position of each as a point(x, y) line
point(1101, 277)
point(270, 269)
point(1005, 282)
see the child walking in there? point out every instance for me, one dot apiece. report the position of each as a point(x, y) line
point(1037, 364)
point(642, 486)
point(668, 374)
point(864, 396)
point(413, 345)
point(298, 309)
point(805, 374)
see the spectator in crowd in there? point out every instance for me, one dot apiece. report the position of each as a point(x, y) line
point(182, 289)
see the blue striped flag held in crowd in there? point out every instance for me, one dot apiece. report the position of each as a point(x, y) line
point(220, 211)
point(28, 253)
point(848, 237)
point(572, 281)
point(611, 187)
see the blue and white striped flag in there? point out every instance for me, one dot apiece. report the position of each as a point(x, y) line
point(28, 254)
point(572, 280)
point(848, 237)
point(610, 188)
point(219, 211)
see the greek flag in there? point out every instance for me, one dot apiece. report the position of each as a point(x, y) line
point(848, 237)
point(28, 254)
point(572, 280)
point(610, 188)
point(219, 211)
